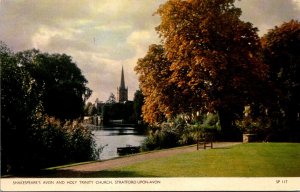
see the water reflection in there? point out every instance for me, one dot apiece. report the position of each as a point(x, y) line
point(109, 131)
point(115, 137)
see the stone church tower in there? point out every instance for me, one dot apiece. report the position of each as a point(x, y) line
point(122, 91)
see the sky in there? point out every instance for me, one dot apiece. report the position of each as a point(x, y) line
point(101, 36)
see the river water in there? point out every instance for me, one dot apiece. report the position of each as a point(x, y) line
point(113, 137)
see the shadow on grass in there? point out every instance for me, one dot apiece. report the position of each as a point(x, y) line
point(78, 174)
point(222, 148)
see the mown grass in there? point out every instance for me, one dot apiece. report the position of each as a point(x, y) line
point(245, 160)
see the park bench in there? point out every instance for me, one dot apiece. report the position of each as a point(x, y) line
point(206, 139)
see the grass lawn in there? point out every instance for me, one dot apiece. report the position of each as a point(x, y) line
point(245, 160)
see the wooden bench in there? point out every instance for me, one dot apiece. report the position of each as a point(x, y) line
point(207, 141)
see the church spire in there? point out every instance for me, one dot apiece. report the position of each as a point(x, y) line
point(122, 85)
point(122, 91)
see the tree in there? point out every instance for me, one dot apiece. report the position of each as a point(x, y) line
point(281, 47)
point(215, 57)
point(20, 109)
point(138, 102)
point(90, 109)
point(29, 138)
point(153, 71)
point(111, 99)
point(64, 86)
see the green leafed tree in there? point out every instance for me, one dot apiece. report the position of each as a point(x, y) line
point(30, 139)
point(138, 102)
point(64, 86)
point(20, 109)
point(111, 99)
point(281, 47)
point(90, 109)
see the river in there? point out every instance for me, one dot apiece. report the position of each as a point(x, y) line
point(114, 137)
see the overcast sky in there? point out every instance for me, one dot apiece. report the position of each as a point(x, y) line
point(103, 35)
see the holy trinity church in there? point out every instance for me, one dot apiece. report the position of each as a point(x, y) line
point(122, 91)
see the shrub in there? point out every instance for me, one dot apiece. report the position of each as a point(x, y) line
point(51, 142)
point(181, 131)
point(254, 124)
point(57, 143)
point(205, 124)
point(161, 136)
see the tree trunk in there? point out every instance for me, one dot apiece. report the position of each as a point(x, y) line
point(228, 131)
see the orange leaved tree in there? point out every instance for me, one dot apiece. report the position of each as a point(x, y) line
point(214, 58)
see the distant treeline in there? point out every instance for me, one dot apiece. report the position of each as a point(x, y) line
point(127, 112)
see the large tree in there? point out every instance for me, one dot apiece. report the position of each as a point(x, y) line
point(281, 47)
point(90, 109)
point(27, 135)
point(64, 86)
point(20, 107)
point(154, 75)
point(214, 57)
point(138, 102)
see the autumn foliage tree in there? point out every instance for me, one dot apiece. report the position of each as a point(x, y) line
point(154, 72)
point(211, 58)
point(281, 47)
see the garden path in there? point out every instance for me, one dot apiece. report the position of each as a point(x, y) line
point(88, 168)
